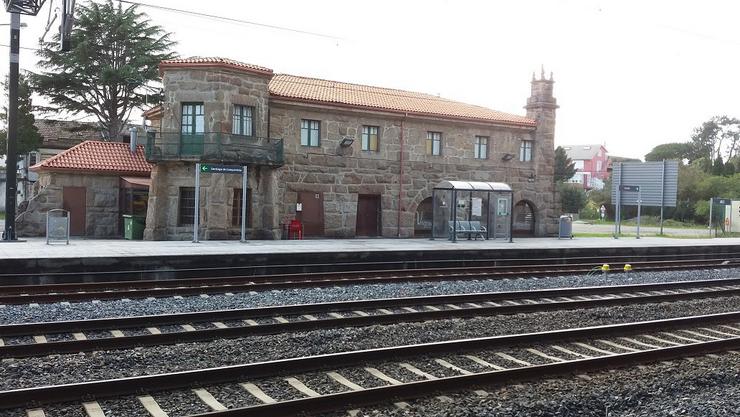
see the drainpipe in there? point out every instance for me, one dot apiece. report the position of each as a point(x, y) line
point(400, 179)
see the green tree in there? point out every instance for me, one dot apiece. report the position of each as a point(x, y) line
point(572, 198)
point(28, 138)
point(564, 167)
point(674, 150)
point(715, 138)
point(115, 55)
point(718, 167)
point(729, 170)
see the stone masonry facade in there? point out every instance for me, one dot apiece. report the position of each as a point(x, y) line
point(342, 173)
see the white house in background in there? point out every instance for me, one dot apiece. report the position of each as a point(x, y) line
point(591, 164)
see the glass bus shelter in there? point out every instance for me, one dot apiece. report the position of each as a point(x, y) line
point(472, 210)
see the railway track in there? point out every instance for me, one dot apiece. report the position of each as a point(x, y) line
point(288, 387)
point(84, 291)
point(39, 339)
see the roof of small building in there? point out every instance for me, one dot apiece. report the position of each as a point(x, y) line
point(315, 90)
point(582, 152)
point(99, 157)
point(63, 134)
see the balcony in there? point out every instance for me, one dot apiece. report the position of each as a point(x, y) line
point(214, 147)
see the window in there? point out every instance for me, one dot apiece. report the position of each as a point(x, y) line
point(193, 121)
point(598, 166)
point(236, 208)
point(434, 143)
point(242, 121)
point(310, 132)
point(481, 147)
point(525, 151)
point(370, 138)
point(33, 158)
point(186, 214)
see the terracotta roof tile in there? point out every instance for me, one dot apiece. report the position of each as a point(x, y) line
point(197, 61)
point(63, 134)
point(99, 157)
point(325, 91)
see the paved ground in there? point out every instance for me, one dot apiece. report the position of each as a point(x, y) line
point(37, 247)
point(609, 228)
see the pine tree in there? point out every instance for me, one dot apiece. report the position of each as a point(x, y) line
point(28, 138)
point(115, 54)
point(564, 167)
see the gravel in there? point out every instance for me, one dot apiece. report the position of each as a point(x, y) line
point(59, 369)
point(117, 308)
point(706, 386)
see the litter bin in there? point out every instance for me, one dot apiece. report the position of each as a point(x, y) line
point(565, 229)
point(133, 227)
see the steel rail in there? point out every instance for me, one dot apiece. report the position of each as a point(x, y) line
point(158, 288)
point(368, 266)
point(113, 343)
point(177, 380)
point(368, 396)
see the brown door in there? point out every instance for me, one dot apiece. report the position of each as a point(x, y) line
point(368, 215)
point(312, 213)
point(73, 200)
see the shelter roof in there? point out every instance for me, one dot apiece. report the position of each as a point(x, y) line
point(473, 186)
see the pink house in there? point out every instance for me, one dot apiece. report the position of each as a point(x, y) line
point(591, 163)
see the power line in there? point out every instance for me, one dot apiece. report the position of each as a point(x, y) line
point(22, 47)
point(230, 19)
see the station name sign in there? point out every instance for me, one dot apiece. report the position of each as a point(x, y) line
point(721, 201)
point(221, 169)
point(634, 188)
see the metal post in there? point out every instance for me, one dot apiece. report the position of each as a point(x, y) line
point(488, 219)
point(196, 214)
point(511, 217)
point(639, 204)
point(11, 161)
point(434, 211)
point(618, 211)
point(454, 215)
point(662, 196)
point(244, 204)
point(710, 216)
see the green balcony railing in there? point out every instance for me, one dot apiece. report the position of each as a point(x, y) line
point(214, 147)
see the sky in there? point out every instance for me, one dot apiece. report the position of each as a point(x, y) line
point(628, 74)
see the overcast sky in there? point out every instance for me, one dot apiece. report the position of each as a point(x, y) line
point(629, 74)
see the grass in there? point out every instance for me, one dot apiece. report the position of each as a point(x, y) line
point(633, 235)
point(650, 221)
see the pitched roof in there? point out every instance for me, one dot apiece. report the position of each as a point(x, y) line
point(582, 152)
point(64, 134)
point(198, 61)
point(99, 157)
point(334, 92)
point(297, 88)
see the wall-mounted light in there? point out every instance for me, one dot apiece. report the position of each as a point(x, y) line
point(347, 141)
point(532, 177)
point(507, 157)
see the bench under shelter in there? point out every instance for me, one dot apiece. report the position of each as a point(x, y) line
point(472, 210)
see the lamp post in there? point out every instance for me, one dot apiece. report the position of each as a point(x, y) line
point(15, 8)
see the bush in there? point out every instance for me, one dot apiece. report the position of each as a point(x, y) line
point(572, 198)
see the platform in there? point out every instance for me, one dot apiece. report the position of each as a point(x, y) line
point(36, 248)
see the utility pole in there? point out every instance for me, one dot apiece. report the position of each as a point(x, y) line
point(11, 161)
point(15, 8)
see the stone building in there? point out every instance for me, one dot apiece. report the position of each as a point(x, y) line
point(345, 159)
point(97, 182)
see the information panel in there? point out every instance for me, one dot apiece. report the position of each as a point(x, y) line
point(655, 182)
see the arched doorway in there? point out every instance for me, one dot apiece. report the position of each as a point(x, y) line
point(524, 219)
point(423, 219)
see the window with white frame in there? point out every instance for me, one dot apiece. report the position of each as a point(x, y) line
point(525, 151)
point(481, 147)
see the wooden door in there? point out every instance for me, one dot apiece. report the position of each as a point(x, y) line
point(312, 213)
point(73, 200)
point(368, 215)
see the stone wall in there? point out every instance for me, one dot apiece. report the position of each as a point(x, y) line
point(343, 173)
point(216, 198)
point(101, 203)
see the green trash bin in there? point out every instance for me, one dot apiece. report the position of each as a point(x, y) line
point(133, 227)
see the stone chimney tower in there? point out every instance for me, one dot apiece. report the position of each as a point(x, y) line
point(541, 106)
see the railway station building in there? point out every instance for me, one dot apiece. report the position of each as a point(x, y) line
point(346, 160)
